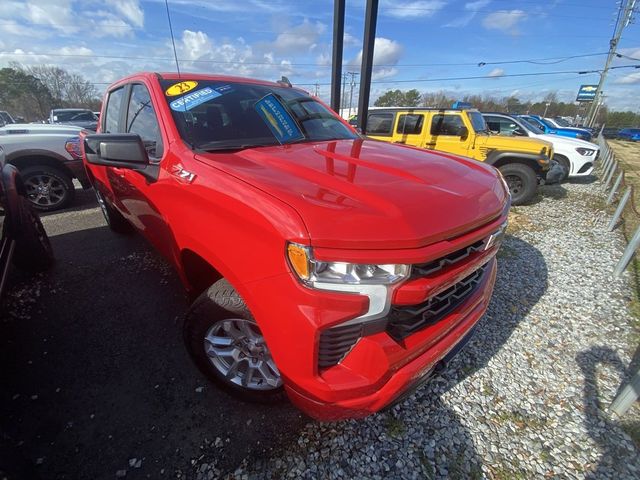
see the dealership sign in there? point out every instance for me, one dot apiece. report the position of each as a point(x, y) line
point(587, 93)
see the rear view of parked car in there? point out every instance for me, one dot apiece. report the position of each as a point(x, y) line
point(79, 117)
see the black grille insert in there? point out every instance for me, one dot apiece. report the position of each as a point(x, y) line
point(423, 269)
point(404, 321)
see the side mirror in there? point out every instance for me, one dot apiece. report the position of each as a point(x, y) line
point(121, 150)
point(464, 133)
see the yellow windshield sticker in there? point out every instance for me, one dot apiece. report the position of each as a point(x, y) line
point(180, 88)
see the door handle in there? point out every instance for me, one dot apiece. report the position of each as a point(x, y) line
point(118, 171)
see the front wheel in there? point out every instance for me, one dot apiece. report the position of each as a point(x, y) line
point(566, 166)
point(114, 219)
point(227, 345)
point(521, 180)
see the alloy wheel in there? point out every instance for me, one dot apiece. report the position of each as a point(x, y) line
point(45, 190)
point(237, 349)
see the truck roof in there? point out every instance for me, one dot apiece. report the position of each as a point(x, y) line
point(431, 109)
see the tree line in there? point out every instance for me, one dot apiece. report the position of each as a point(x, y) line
point(549, 106)
point(31, 92)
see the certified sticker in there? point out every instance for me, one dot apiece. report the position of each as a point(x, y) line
point(193, 99)
point(180, 88)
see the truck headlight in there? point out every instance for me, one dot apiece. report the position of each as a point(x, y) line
point(313, 272)
point(374, 281)
point(585, 151)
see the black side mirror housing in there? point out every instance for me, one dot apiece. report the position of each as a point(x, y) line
point(120, 150)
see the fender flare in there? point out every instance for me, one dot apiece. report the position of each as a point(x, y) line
point(530, 159)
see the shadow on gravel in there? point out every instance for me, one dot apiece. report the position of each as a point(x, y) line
point(586, 180)
point(601, 428)
point(521, 282)
point(93, 373)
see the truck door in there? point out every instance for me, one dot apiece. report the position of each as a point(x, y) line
point(448, 133)
point(137, 195)
point(409, 129)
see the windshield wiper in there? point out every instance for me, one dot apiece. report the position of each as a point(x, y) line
point(224, 146)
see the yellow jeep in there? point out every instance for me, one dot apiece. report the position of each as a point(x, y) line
point(523, 162)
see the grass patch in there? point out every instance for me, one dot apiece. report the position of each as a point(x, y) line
point(628, 156)
point(520, 221)
point(394, 426)
point(521, 420)
point(507, 473)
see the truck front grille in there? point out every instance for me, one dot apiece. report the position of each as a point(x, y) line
point(406, 320)
point(424, 269)
point(336, 342)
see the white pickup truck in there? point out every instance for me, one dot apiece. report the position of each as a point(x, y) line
point(576, 156)
point(48, 158)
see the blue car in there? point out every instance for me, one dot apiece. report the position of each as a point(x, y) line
point(632, 134)
point(553, 130)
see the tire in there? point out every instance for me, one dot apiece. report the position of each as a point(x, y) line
point(522, 182)
point(114, 219)
point(33, 250)
point(565, 164)
point(48, 188)
point(234, 347)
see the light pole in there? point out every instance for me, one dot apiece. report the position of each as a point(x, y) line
point(546, 106)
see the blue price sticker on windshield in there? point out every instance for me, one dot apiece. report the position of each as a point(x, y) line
point(279, 121)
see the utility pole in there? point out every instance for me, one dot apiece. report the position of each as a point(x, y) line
point(625, 12)
point(336, 58)
point(352, 84)
point(343, 97)
point(370, 21)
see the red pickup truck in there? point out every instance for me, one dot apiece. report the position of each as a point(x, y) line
point(333, 268)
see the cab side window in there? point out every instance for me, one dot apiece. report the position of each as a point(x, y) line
point(380, 124)
point(112, 116)
point(142, 119)
point(410, 124)
point(447, 125)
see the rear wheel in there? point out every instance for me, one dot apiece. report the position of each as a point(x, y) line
point(114, 219)
point(228, 346)
point(48, 188)
point(33, 250)
point(522, 182)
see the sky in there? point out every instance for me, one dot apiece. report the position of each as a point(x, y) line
point(518, 46)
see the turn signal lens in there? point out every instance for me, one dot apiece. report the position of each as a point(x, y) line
point(299, 260)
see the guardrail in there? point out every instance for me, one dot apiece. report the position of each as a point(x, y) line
point(607, 169)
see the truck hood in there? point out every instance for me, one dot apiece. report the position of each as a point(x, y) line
point(567, 142)
point(517, 144)
point(364, 194)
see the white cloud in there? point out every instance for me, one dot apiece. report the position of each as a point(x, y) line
point(57, 14)
point(496, 72)
point(299, 38)
point(130, 10)
point(386, 54)
point(504, 20)
point(631, 79)
point(415, 9)
point(472, 8)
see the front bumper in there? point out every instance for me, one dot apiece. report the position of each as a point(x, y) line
point(554, 174)
point(410, 375)
point(381, 364)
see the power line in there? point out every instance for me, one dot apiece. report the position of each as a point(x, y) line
point(537, 61)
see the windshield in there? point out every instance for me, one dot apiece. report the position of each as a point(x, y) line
point(562, 122)
point(545, 122)
point(215, 115)
point(532, 127)
point(74, 115)
point(477, 120)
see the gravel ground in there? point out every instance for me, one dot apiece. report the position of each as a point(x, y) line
point(526, 398)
